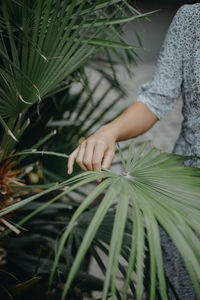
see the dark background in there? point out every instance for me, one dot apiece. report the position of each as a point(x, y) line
point(153, 31)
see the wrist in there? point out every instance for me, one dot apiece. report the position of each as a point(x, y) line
point(110, 130)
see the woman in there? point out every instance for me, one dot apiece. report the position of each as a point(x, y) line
point(177, 72)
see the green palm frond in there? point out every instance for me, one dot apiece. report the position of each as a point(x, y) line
point(42, 43)
point(161, 191)
point(64, 113)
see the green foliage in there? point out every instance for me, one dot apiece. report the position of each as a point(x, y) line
point(44, 42)
point(156, 186)
point(44, 46)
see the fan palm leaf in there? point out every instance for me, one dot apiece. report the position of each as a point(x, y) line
point(161, 192)
point(43, 42)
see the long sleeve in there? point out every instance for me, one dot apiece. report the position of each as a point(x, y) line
point(161, 93)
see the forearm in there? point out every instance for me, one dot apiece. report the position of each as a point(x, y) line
point(134, 121)
point(98, 150)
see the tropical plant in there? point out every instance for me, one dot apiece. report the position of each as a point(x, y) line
point(44, 174)
point(33, 68)
point(156, 186)
point(44, 42)
point(39, 136)
point(43, 46)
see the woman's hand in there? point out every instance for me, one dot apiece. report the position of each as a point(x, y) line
point(98, 150)
point(94, 153)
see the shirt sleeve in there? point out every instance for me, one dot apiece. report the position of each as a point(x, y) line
point(161, 93)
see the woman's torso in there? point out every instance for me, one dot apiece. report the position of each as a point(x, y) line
point(188, 142)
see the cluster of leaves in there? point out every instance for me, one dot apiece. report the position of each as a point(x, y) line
point(43, 46)
point(50, 170)
point(156, 187)
point(44, 42)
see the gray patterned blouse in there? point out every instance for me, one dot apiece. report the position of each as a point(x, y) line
point(178, 72)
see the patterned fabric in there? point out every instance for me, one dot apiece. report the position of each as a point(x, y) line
point(178, 72)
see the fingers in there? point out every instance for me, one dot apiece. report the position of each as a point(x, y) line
point(92, 155)
point(108, 158)
point(98, 155)
point(80, 157)
point(71, 160)
point(88, 154)
point(83, 157)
